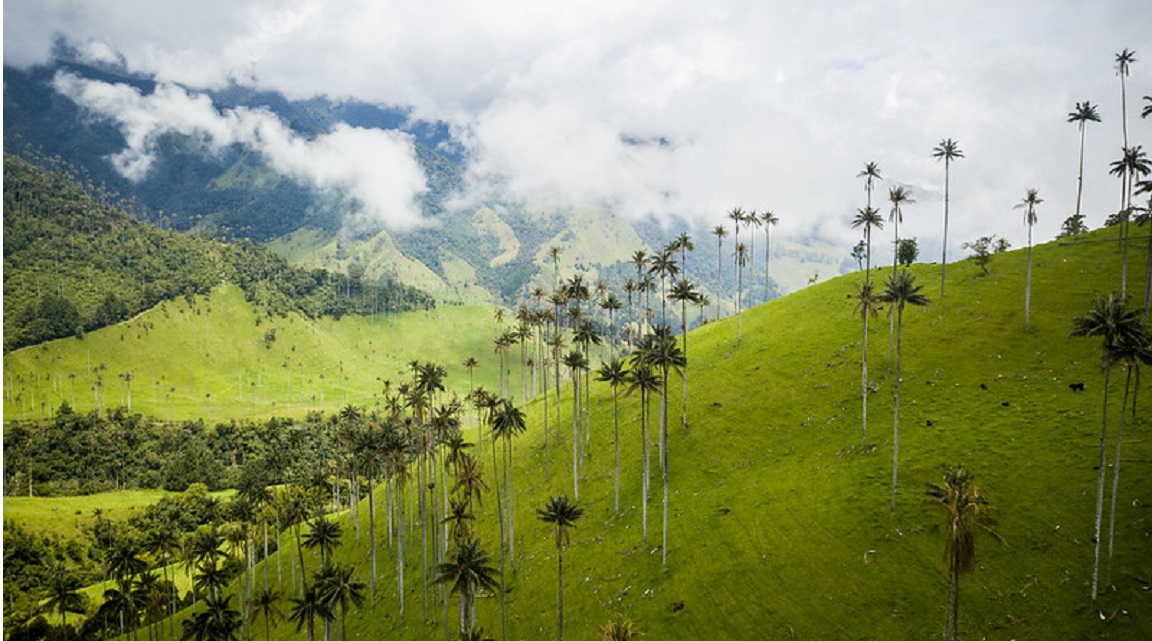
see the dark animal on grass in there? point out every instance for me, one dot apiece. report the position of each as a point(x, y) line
point(1076, 387)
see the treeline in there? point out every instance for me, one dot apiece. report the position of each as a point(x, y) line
point(76, 453)
point(74, 261)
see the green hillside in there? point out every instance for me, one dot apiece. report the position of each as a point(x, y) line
point(215, 357)
point(779, 524)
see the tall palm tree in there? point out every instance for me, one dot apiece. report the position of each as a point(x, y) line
point(1124, 59)
point(684, 292)
point(664, 266)
point(1114, 323)
point(306, 608)
point(948, 150)
point(1084, 113)
point(218, 622)
point(614, 374)
point(751, 219)
point(641, 378)
point(966, 513)
point(1031, 200)
point(563, 516)
point(339, 586)
point(720, 232)
point(467, 570)
point(1132, 165)
point(870, 174)
point(1133, 349)
point(866, 300)
point(507, 423)
point(576, 363)
point(324, 534)
point(741, 261)
point(63, 590)
point(900, 291)
point(898, 196)
point(660, 352)
point(266, 602)
point(768, 220)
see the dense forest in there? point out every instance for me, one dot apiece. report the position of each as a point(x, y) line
point(109, 266)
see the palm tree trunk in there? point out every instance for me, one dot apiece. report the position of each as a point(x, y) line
point(944, 254)
point(560, 582)
point(684, 372)
point(664, 466)
point(511, 500)
point(767, 258)
point(500, 514)
point(1147, 289)
point(864, 384)
point(1028, 282)
point(896, 414)
point(1080, 177)
point(647, 463)
point(576, 434)
point(616, 423)
point(1100, 486)
point(399, 503)
point(719, 273)
point(372, 530)
point(1116, 476)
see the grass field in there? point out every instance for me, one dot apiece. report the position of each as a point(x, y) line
point(210, 359)
point(778, 523)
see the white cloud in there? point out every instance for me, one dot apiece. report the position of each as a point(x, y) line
point(377, 169)
point(765, 105)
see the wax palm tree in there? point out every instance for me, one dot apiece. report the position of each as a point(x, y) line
point(948, 150)
point(663, 265)
point(966, 513)
point(575, 362)
point(1124, 60)
point(469, 481)
point(1110, 320)
point(396, 456)
point(1084, 113)
point(1133, 163)
point(641, 378)
point(684, 292)
point(868, 218)
point(870, 174)
point(586, 336)
point(563, 516)
point(508, 423)
point(768, 220)
point(751, 219)
point(63, 589)
point(339, 586)
point(612, 304)
point(1031, 200)
point(614, 374)
point(741, 261)
point(866, 305)
point(683, 244)
point(505, 425)
point(218, 622)
point(306, 608)
point(467, 570)
point(1132, 348)
point(368, 445)
point(720, 232)
point(898, 196)
point(324, 534)
point(661, 353)
point(266, 602)
point(900, 291)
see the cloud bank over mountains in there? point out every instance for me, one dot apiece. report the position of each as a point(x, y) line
point(669, 109)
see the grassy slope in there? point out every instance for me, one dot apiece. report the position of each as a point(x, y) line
point(778, 531)
point(209, 347)
point(773, 521)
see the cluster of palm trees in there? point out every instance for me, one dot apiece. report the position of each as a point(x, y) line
point(744, 254)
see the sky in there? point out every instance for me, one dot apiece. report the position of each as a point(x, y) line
point(674, 109)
